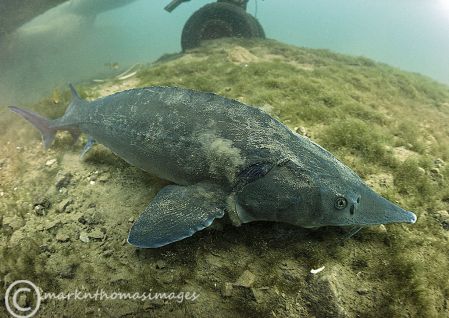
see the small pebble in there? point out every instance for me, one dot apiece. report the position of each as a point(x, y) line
point(62, 179)
point(300, 130)
point(84, 237)
point(246, 279)
point(62, 206)
point(50, 162)
point(96, 234)
point(39, 210)
point(8, 279)
point(160, 264)
point(108, 253)
point(435, 170)
point(379, 229)
point(51, 224)
point(445, 225)
point(439, 162)
point(227, 290)
point(43, 201)
point(62, 237)
point(362, 291)
point(44, 248)
point(23, 300)
point(442, 214)
point(91, 217)
point(257, 295)
point(104, 178)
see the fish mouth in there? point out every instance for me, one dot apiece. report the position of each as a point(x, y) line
point(395, 216)
point(389, 217)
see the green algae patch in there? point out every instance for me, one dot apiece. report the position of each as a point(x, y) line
point(64, 221)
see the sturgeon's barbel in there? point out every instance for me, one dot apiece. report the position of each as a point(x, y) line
point(223, 157)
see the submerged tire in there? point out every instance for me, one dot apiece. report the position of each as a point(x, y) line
point(218, 20)
point(261, 32)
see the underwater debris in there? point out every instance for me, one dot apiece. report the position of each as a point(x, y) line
point(318, 270)
point(130, 72)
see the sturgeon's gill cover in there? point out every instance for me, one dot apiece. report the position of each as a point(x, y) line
point(223, 157)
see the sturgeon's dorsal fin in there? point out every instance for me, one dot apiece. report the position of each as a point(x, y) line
point(75, 95)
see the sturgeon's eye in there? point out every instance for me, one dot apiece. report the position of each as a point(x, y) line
point(340, 203)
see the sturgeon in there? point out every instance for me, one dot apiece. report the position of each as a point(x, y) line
point(223, 157)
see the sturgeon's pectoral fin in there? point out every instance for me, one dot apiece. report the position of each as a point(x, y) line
point(176, 213)
point(252, 173)
point(90, 142)
point(256, 171)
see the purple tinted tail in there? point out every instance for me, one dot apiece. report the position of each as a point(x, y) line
point(41, 123)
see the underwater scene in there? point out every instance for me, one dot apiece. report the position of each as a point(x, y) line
point(230, 158)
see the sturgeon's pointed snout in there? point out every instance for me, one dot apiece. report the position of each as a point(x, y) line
point(411, 217)
point(374, 209)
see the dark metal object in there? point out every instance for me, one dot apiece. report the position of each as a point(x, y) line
point(240, 3)
point(175, 3)
point(219, 20)
point(224, 18)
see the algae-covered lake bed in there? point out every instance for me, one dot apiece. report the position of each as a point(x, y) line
point(64, 221)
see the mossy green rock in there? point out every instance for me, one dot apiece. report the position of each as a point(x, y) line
point(390, 126)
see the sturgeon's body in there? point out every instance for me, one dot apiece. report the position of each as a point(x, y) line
point(223, 156)
point(181, 135)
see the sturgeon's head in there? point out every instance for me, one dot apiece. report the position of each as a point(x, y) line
point(289, 193)
point(356, 204)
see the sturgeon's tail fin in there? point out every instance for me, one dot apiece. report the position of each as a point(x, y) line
point(41, 123)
